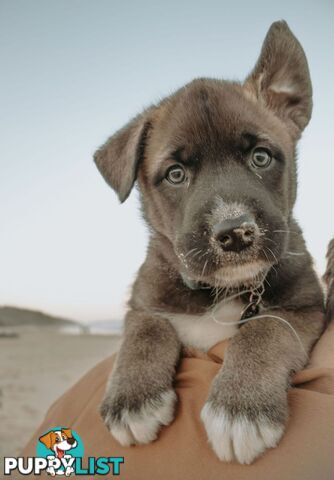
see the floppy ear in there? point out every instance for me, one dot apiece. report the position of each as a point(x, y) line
point(119, 158)
point(46, 439)
point(281, 78)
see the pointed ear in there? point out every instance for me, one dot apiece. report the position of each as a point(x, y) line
point(281, 78)
point(119, 158)
point(46, 439)
point(67, 432)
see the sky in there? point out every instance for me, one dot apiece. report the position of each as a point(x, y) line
point(73, 72)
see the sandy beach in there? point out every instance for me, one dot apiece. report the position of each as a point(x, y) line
point(35, 369)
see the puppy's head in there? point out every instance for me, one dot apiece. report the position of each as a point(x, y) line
point(215, 164)
point(59, 441)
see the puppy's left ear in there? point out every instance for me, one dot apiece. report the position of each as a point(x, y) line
point(46, 439)
point(119, 158)
point(281, 78)
point(67, 432)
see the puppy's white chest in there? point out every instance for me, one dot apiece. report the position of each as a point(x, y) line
point(204, 331)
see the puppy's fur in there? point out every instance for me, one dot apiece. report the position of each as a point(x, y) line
point(210, 131)
point(329, 280)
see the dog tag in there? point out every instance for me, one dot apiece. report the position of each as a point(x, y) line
point(253, 306)
point(250, 311)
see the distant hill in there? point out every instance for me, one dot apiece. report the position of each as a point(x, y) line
point(16, 317)
point(112, 327)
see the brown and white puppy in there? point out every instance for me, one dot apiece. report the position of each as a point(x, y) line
point(216, 168)
point(59, 441)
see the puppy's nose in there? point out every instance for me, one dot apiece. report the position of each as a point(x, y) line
point(235, 234)
point(71, 440)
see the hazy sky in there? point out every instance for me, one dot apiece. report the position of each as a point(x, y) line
point(72, 72)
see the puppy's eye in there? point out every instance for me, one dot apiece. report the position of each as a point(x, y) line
point(176, 174)
point(261, 158)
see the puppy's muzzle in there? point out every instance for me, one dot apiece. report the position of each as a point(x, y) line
point(236, 234)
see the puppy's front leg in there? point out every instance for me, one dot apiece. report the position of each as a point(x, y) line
point(140, 396)
point(247, 408)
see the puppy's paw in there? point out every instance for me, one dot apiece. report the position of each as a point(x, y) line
point(69, 471)
point(141, 425)
point(241, 437)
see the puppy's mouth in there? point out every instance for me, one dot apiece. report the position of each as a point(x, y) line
point(247, 274)
point(230, 270)
point(238, 251)
point(60, 452)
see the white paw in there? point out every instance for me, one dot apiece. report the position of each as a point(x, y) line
point(143, 426)
point(239, 438)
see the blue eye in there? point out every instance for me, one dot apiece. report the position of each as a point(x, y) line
point(261, 158)
point(176, 174)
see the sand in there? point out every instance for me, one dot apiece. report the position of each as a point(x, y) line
point(35, 369)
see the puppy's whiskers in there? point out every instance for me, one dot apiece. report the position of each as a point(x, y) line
point(272, 267)
point(295, 253)
point(197, 253)
point(204, 267)
point(270, 250)
point(190, 251)
point(270, 240)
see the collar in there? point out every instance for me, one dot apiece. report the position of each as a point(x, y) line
point(252, 298)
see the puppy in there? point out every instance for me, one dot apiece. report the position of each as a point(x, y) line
point(59, 441)
point(216, 167)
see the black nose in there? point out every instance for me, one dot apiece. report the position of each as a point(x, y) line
point(235, 234)
point(71, 440)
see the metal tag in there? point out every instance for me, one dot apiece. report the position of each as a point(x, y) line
point(250, 311)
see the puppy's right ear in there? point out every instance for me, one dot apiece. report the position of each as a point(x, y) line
point(119, 158)
point(46, 439)
point(67, 431)
point(281, 78)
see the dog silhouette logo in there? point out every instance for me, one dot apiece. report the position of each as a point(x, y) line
point(60, 446)
point(60, 451)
